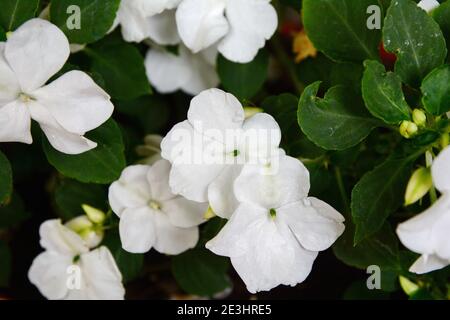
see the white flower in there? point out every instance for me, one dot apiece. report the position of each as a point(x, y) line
point(277, 231)
point(192, 73)
point(428, 232)
point(150, 214)
point(207, 151)
point(66, 109)
point(239, 28)
point(428, 5)
point(52, 271)
point(154, 19)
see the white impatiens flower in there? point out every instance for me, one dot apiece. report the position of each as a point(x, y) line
point(239, 28)
point(428, 5)
point(154, 19)
point(275, 234)
point(207, 150)
point(428, 232)
point(191, 73)
point(65, 109)
point(68, 270)
point(151, 216)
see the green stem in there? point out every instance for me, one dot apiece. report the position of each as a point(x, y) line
point(287, 63)
point(343, 192)
point(429, 162)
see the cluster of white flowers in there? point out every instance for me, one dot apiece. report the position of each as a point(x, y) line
point(199, 29)
point(427, 233)
point(65, 109)
point(235, 164)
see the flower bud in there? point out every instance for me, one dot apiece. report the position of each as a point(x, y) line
point(95, 215)
point(251, 111)
point(408, 129)
point(86, 229)
point(408, 286)
point(419, 117)
point(419, 184)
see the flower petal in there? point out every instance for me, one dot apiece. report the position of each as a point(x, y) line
point(201, 23)
point(131, 190)
point(76, 102)
point(60, 139)
point(48, 273)
point(194, 164)
point(15, 123)
point(261, 138)
point(184, 213)
point(55, 237)
point(9, 86)
point(284, 181)
point(441, 171)
point(203, 74)
point(158, 179)
point(231, 241)
point(252, 22)
point(220, 192)
point(427, 233)
point(36, 51)
point(215, 113)
point(171, 239)
point(137, 230)
point(102, 275)
point(316, 224)
point(166, 71)
point(428, 263)
point(162, 28)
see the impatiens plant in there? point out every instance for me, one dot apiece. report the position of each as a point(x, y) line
point(183, 149)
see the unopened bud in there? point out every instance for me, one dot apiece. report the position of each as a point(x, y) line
point(419, 117)
point(408, 129)
point(86, 229)
point(94, 214)
point(408, 286)
point(251, 111)
point(79, 224)
point(92, 237)
point(419, 184)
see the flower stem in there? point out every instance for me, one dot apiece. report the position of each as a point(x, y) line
point(429, 162)
point(343, 192)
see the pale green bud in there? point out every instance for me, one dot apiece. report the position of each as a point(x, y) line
point(408, 129)
point(408, 286)
point(94, 214)
point(419, 117)
point(419, 184)
point(79, 224)
point(87, 230)
point(251, 111)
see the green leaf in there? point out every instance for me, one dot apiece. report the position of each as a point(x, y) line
point(338, 28)
point(96, 18)
point(243, 80)
point(15, 12)
point(383, 95)
point(5, 265)
point(130, 264)
point(71, 194)
point(14, 213)
point(415, 38)
point(6, 179)
point(200, 272)
point(380, 192)
point(380, 249)
point(101, 165)
point(122, 67)
point(442, 17)
point(436, 91)
point(336, 122)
